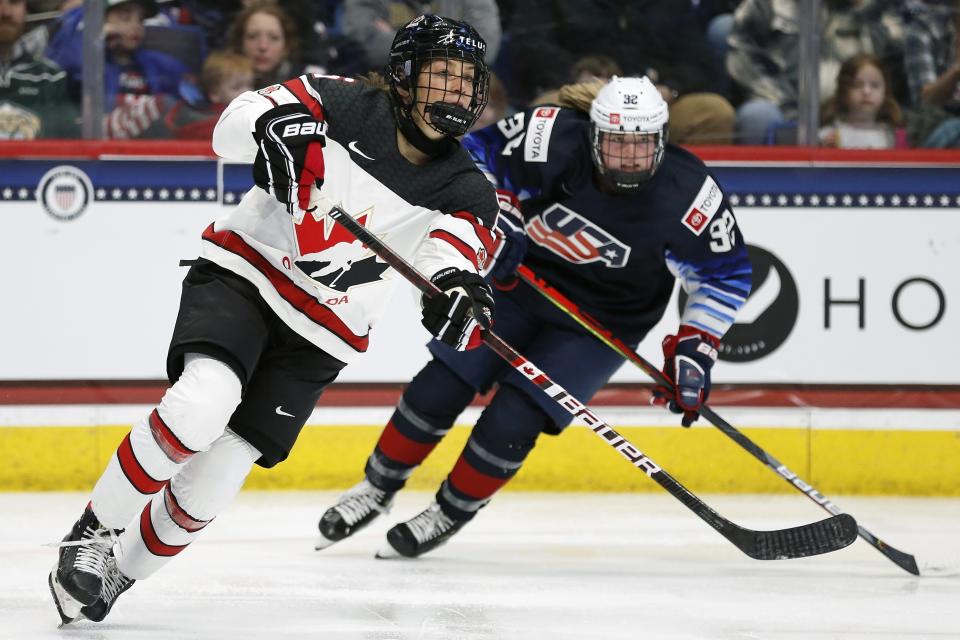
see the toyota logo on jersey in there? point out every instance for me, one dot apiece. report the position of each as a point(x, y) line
point(566, 233)
point(330, 255)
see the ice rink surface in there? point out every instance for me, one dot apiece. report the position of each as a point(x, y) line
point(530, 566)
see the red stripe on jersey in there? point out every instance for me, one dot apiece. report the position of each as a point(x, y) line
point(484, 235)
point(154, 544)
point(294, 295)
point(458, 244)
point(476, 484)
point(183, 519)
point(296, 88)
point(169, 443)
point(134, 471)
point(400, 448)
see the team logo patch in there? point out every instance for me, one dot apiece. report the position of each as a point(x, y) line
point(334, 258)
point(268, 90)
point(536, 143)
point(566, 233)
point(704, 206)
point(64, 192)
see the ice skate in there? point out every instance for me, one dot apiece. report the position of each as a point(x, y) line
point(355, 509)
point(114, 583)
point(77, 579)
point(423, 533)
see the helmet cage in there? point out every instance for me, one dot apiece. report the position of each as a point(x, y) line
point(424, 40)
point(642, 151)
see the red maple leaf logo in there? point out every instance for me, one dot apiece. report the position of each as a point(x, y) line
point(314, 236)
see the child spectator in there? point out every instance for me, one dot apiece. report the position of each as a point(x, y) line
point(862, 113)
point(33, 89)
point(129, 69)
point(225, 75)
point(267, 35)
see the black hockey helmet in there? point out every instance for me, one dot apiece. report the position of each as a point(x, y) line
point(431, 37)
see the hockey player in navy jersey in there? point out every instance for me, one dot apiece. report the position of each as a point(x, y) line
point(612, 216)
point(282, 298)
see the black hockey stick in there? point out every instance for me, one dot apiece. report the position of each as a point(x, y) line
point(903, 560)
point(811, 539)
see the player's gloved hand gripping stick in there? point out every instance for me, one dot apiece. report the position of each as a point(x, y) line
point(811, 539)
point(903, 560)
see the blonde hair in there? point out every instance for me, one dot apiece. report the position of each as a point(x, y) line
point(221, 65)
point(579, 96)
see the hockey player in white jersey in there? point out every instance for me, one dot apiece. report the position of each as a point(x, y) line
point(257, 339)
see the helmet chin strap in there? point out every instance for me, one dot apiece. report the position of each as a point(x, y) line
point(416, 137)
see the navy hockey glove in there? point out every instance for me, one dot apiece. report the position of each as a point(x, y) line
point(459, 314)
point(290, 155)
point(688, 358)
point(512, 245)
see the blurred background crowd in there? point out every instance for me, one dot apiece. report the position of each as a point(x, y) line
point(731, 70)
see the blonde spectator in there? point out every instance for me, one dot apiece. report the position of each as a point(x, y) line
point(862, 114)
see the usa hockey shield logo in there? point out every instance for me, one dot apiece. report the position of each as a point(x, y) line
point(566, 233)
point(331, 256)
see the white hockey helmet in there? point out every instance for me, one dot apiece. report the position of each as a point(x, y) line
point(628, 129)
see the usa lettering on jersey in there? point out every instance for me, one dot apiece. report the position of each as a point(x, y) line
point(704, 206)
point(537, 141)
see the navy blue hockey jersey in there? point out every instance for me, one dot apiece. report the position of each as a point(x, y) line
point(618, 256)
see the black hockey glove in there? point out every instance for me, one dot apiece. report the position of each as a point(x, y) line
point(688, 358)
point(459, 314)
point(512, 246)
point(290, 156)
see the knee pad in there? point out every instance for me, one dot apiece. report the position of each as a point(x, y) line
point(199, 405)
point(509, 426)
point(437, 394)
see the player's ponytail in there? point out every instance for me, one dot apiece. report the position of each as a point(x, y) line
point(580, 95)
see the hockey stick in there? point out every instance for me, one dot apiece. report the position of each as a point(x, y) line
point(903, 560)
point(811, 539)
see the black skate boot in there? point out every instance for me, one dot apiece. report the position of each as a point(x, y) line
point(355, 509)
point(423, 533)
point(77, 579)
point(114, 583)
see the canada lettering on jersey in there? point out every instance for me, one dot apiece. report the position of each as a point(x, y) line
point(330, 255)
point(571, 236)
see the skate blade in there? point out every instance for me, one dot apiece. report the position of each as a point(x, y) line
point(323, 542)
point(387, 552)
point(67, 606)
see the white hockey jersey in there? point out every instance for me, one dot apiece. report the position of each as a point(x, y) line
point(322, 282)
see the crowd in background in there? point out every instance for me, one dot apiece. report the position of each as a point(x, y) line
point(889, 70)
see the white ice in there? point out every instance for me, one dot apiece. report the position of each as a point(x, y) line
point(530, 566)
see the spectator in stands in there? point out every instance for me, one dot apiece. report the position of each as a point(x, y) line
point(33, 89)
point(716, 19)
point(373, 23)
point(266, 34)
point(225, 75)
point(764, 45)
point(932, 60)
point(661, 39)
point(129, 69)
point(862, 114)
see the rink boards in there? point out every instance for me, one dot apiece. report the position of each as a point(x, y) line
point(838, 451)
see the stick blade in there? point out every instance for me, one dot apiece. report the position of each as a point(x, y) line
point(831, 534)
point(903, 560)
